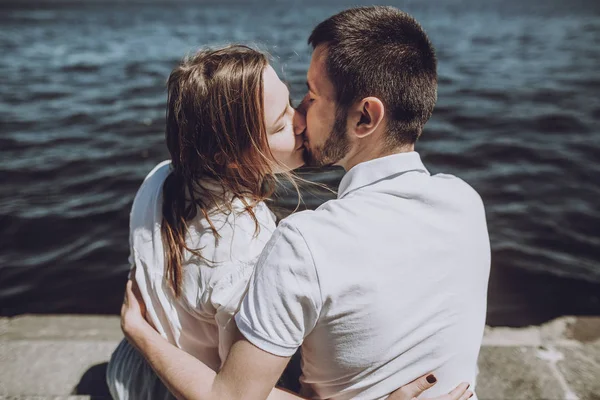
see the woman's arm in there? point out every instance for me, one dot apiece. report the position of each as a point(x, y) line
point(248, 372)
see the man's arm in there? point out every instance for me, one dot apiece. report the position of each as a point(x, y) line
point(188, 378)
point(281, 308)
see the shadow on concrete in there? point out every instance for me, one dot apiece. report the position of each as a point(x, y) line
point(93, 383)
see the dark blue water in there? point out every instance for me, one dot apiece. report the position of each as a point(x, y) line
point(81, 123)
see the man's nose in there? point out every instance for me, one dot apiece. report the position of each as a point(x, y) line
point(299, 121)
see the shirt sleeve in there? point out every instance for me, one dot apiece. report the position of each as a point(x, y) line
point(284, 297)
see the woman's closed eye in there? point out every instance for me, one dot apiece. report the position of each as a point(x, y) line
point(283, 127)
point(286, 121)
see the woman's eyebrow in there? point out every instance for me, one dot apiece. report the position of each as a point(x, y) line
point(285, 109)
point(282, 114)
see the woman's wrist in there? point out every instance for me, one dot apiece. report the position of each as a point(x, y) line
point(137, 331)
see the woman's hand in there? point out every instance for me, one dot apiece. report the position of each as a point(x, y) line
point(412, 390)
point(133, 311)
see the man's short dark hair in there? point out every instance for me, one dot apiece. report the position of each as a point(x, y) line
point(383, 52)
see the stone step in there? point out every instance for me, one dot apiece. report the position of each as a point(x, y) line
point(64, 357)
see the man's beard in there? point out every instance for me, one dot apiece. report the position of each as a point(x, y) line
point(336, 146)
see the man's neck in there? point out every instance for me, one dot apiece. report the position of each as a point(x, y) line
point(369, 152)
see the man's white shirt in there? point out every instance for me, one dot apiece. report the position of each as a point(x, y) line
point(380, 286)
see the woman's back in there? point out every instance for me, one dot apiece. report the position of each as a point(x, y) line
point(200, 320)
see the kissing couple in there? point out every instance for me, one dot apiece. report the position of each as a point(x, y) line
point(384, 287)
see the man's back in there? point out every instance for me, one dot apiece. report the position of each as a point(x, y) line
point(401, 263)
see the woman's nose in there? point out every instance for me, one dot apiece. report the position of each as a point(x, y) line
point(299, 121)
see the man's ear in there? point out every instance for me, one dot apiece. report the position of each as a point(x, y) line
point(367, 114)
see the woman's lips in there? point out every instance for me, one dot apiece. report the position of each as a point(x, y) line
point(302, 145)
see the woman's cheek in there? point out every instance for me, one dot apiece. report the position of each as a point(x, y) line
point(282, 145)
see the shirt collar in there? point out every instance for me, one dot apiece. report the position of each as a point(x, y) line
point(372, 171)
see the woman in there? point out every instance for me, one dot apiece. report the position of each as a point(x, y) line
point(199, 222)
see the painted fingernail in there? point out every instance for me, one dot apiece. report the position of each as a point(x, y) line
point(431, 379)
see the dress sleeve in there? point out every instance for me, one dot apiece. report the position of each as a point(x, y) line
point(130, 260)
point(226, 298)
point(284, 297)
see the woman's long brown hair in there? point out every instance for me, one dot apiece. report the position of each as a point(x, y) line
point(215, 131)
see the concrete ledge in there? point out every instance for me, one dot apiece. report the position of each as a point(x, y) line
point(56, 357)
point(64, 357)
point(61, 327)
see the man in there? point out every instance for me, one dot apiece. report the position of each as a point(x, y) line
point(381, 285)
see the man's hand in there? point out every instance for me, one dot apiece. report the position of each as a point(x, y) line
point(412, 390)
